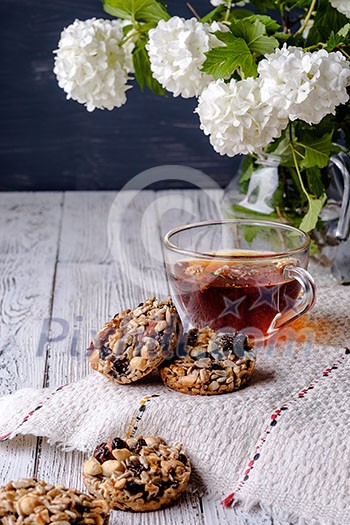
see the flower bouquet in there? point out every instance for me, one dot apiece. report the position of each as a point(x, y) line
point(271, 78)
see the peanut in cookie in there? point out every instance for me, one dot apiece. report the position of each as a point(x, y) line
point(135, 342)
point(138, 474)
point(32, 502)
point(211, 363)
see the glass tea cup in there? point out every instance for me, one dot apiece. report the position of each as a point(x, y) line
point(244, 275)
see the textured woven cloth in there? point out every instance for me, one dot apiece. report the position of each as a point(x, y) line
point(300, 466)
point(281, 443)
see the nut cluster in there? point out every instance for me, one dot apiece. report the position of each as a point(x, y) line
point(135, 342)
point(212, 364)
point(32, 502)
point(137, 473)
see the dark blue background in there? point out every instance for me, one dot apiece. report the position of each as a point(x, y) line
point(49, 143)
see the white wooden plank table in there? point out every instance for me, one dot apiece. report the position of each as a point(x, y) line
point(59, 283)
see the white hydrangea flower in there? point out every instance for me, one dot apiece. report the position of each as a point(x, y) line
point(236, 119)
point(176, 50)
point(343, 6)
point(91, 66)
point(308, 86)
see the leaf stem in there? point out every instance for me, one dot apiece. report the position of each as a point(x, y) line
point(298, 171)
point(298, 153)
point(315, 46)
point(345, 53)
point(307, 18)
point(228, 10)
point(130, 35)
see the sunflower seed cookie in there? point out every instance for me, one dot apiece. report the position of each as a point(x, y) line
point(138, 474)
point(135, 342)
point(212, 363)
point(32, 502)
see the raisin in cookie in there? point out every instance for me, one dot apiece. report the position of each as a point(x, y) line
point(212, 363)
point(32, 502)
point(138, 474)
point(135, 342)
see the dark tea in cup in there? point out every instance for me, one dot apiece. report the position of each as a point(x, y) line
point(241, 275)
point(232, 294)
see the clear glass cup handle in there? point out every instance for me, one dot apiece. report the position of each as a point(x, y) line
point(305, 303)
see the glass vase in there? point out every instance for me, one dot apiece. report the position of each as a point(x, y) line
point(254, 194)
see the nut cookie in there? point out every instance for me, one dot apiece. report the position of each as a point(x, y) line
point(212, 363)
point(32, 502)
point(138, 474)
point(135, 342)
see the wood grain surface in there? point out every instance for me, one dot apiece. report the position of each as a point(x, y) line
point(49, 143)
point(59, 283)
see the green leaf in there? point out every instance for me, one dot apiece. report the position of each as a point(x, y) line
point(254, 34)
point(338, 40)
point(127, 28)
point(314, 181)
point(327, 19)
point(344, 32)
point(310, 219)
point(215, 14)
point(301, 3)
point(314, 131)
point(221, 62)
point(144, 10)
point(314, 248)
point(302, 199)
point(246, 39)
point(332, 42)
point(264, 45)
point(142, 68)
point(277, 199)
point(250, 232)
point(236, 14)
point(264, 5)
point(270, 24)
point(246, 170)
point(317, 151)
point(282, 37)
